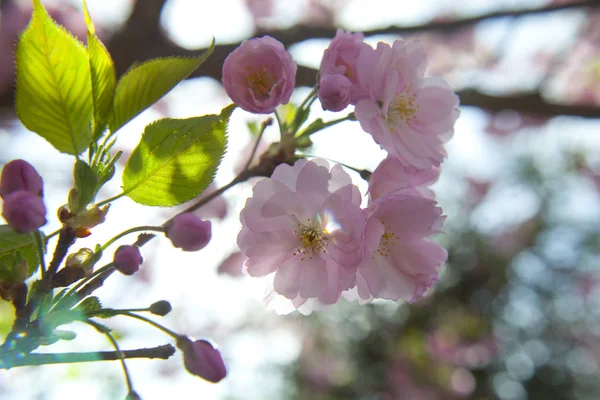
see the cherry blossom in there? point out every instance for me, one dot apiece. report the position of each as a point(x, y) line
point(400, 261)
point(392, 177)
point(304, 227)
point(409, 116)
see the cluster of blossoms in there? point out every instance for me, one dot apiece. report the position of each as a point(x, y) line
point(304, 226)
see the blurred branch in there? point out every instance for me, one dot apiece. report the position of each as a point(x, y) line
point(301, 33)
point(528, 103)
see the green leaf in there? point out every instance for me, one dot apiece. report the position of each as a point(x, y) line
point(54, 91)
point(145, 83)
point(89, 305)
point(16, 249)
point(104, 77)
point(176, 159)
point(86, 186)
point(315, 126)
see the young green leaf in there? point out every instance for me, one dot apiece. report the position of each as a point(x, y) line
point(86, 186)
point(145, 83)
point(18, 255)
point(176, 159)
point(54, 94)
point(104, 77)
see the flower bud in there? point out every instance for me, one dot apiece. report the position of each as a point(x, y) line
point(161, 308)
point(189, 232)
point(202, 359)
point(15, 292)
point(128, 259)
point(259, 75)
point(24, 211)
point(83, 221)
point(334, 92)
point(20, 175)
point(81, 259)
point(78, 266)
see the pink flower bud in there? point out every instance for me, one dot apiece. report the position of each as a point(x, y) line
point(20, 175)
point(341, 58)
point(202, 359)
point(259, 75)
point(128, 259)
point(334, 92)
point(24, 211)
point(189, 232)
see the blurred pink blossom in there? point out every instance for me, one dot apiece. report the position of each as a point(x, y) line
point(260, 10)
point(233, 264)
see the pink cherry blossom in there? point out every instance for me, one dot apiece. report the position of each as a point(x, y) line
point(259, 75)
point(303, 228)
point(341, 57)
point(391, 177)
point(400, 261)
point(411, 117)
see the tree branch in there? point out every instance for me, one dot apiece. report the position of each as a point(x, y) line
point(165, 351)
point(528, 103)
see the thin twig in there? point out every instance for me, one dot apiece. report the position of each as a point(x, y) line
point(164, 351)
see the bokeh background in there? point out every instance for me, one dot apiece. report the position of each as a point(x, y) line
point(516, 313)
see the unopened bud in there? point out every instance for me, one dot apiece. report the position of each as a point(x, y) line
point(15, 292)
point(24, 211)
point(334, 92)
point(189, 232)
point(202, 359)
point(20, 175)
point(128, 259)
point(83, 221)
point(161, 308)
point(81, 259)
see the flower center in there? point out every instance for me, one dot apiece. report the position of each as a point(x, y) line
point(260, 82)
point(402, 109)
point(387, 242)
point(313, 240)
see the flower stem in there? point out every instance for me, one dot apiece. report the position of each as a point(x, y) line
point(110, 199)
point(62, 302)
point(120, 354)
point(263, 126)
point(142, 228)
point(153, 323)
point(39, 241)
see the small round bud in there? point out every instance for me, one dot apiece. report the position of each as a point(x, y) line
point(24, 211)
point(334, 92)
point(161, 308)
point(128, 259)
point(20, 175)
point(189, 232)
point(202, 359)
